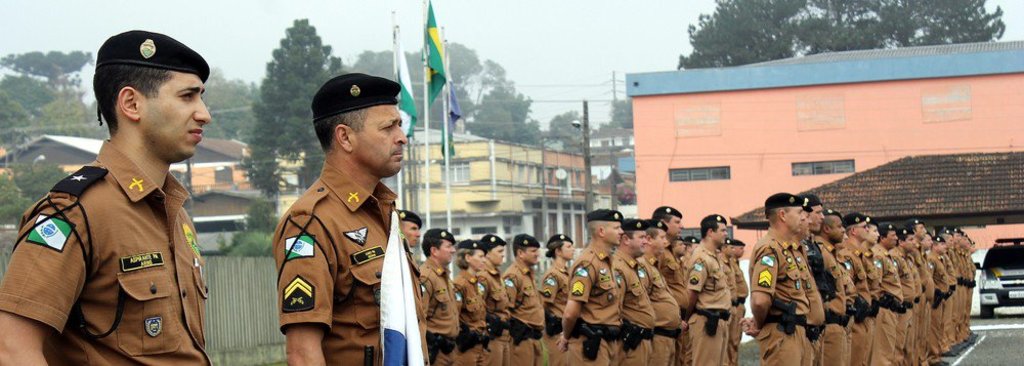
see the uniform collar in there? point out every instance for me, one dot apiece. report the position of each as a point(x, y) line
point(601, 251)
point(351, 194)
point(490, 268)
point(522, 267)
point(652, 260)
point(436, 269)
point(135, 184)
point(630, 261)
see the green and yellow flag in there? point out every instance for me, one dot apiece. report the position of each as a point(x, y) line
point(434, 56)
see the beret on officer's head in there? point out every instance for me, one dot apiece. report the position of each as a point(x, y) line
point(555, 242)
point(351, 92)
point(439, 234)
point(780, 200)
point(811, 200)
point(885, 228)
point(854, 218)
point(470, 244)
point(153, 50)
point(604, 215)
point(635, 225)
point(657, 224)
point(409, 216)
point(525, 241)
point(831, 212)
point(667, 210)
point(491, 241)
point(691, 240)
point(734, 242)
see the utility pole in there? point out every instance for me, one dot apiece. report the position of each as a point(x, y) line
point(544, 187)
point(615, 94)
point(589, 200)
point(612, 165)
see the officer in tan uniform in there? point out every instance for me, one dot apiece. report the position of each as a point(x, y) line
point(778, 298)
point(951, 288)
point(911, 287)
point(670, 264)
point(820, 285)
point(555, 293)
point(710, 295)
point(734, 251)
point(667, 322)
point(330, 244)
point(922, 310)
point(865, 277)
point(472, 341)
point(593, 315)
point(497, 301)
point(890, 301)
point(106, 267)
point(637, 310)
point(526, 315)
point(442, 304)
point(942, 279)
point(836, 338)
point(410, 226)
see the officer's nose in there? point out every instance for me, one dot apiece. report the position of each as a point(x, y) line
point(203, 114)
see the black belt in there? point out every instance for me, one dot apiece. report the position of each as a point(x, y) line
point(801, 320)
point(665, 332)
point(738, 302)
point(720, 314)
point(836, 318)
point(608, 333)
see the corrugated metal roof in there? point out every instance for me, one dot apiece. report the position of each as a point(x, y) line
point(936, 50)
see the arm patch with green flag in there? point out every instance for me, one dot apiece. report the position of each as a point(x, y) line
point(51, 232)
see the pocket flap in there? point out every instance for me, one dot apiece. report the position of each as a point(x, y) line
point(145, 286)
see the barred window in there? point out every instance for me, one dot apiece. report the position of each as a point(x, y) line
point(694, 174)
point(823, 167)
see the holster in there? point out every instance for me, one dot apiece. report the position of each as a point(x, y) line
point(552, 324)
point(439, 343)
point(591, 339)
point(632, 335)
point(836, 318)
point(495, 326)
point(787, 320)
point(711, 325)
point(875, 305)
point(814, 332)
point(520, 331)
point(863, 309)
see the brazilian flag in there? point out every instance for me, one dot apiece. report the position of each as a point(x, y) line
point(436, 76)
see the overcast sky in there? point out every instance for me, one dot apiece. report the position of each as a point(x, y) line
point(555, 51)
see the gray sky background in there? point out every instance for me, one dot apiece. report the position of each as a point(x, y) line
point(555, 51)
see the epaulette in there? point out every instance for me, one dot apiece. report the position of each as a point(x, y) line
point(305, 204)
point(76, 183)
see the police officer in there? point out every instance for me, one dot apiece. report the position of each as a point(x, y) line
point(887, 334)
point(923, 309)
point(442, 304)
point(593, 318)
point(472, 341)
point(670, 264)
point(526, 315)
point(710, 295)
point(910, 284)
point(866, 278)
point(820, 285)
point(839, 306)
point(778, 298)
point(942, 279)
point(330, 243)
point(497, 301)
point(667, 321)
point(410, 226)
point(106, 266)
point(555, 292)
point(637, 310)
point(734, 251)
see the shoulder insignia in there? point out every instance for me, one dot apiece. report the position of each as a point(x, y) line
point(577, 288)
point(480, 288)
point(699, 266)
point(768, 260)
point(524, 270)
point(694, 280)
point(358, 235)
point(618, 278)
point(366, 255)
point(764, 279)
point(641, 272)
point(439, 271)
point(631, 263)
point(550, 281)
point(582, 272)
point(472, 279)
point(77, 182)
point(458, 296)
point(601, 256)
point(547, 292)
point(50, 231)
point(300, 295)
point(509, 283)
point(300, 246)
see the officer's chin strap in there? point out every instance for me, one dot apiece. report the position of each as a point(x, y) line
point(99, 116)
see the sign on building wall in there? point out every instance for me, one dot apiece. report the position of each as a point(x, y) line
point(946, 103)
point(820, 112)
point(698, 120)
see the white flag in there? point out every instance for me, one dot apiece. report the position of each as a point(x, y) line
point(400, 330)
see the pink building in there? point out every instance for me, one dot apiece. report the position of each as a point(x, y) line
point(722, 140)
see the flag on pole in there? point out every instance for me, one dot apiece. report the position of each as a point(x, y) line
point(435, 56)
point(400, 332)
point(406, 103)
point(454, 114)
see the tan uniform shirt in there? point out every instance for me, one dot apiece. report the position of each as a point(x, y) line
point(907, 274)
point(497, 299)
point(636, 303)
point(472, 311)
point(890, 272)
point(330, 248)
point(591, 283)
point(442, 310)
point(111, 234)
point(710, 280)
point(774, 271)
point(526, 302)
point(556, 290)
point(675, 277)
point(666, 310)
point(730, 277)
point(740, 281)
point(873, 270)
point(925, 274)
point(816, 308)
point(840, 271)
point(858, 275)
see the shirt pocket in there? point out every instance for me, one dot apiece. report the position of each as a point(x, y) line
point(149, 323)
point(365, 294)
point(604, 292)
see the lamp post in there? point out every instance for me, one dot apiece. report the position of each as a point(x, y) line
point(585, 126)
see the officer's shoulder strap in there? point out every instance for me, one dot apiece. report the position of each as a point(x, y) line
point(305, 204)
point(76, 183)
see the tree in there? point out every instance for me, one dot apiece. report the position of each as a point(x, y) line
point(283, 125)
point(68, 115)
point(12, 203)
point(13, 121)
point(230, 103)
point(260, 216)
point(504, 114)
point(561, 129)
point(255, 239)
point(30, 92)
point(34, 180)
point(743, 32)
point(959, 21)
point(842, 25)
point(58, 68)
point(622, 113)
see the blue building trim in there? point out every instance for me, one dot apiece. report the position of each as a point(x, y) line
point(825, 73)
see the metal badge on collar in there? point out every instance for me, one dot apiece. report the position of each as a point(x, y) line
point(353, 196)
point(136, 183)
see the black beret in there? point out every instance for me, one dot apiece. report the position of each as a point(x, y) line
point(811, 200)
point(351, 92)
point(635, 225)
point(831, 212)
point(559, 238)
point(779, 200)
point(691, 240)
point(903, 233)
point(854, 218)
point(604, 215)
point(470, 244)
point(439, 234)
point(525, 241)
point(714, 218)
point(667, 210)
point(657, 224)
point(491, 241)
point(958, 231)
point(154, 50)
point(871, 221)
point(410, 217)
point(734, 242)
point(938, 239)
point(914, 222)
point(885, 228)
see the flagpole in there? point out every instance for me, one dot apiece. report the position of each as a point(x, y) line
point(447, 137)
point(426, 114)
point(394, 44)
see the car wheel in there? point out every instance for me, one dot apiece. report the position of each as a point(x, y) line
point(987, 312)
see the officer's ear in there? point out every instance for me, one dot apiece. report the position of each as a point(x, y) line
point(343, 138)
point(129, 103)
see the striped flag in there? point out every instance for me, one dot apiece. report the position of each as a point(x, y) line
point(406, 104)
point(400, 331)
point(437, 75)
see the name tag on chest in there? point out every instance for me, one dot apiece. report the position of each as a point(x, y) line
point(141, 261)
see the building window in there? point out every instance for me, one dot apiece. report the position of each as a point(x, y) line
point(693, 174)
point(823, 167)
point(224, 175)
point(460, 173)
point(483, 230)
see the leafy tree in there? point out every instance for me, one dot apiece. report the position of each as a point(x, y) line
point(742, 32)
point(250, 244)
point(68, 115)
point(504, 114)
point(283, 127)
point(230, 103)
point(260, 216)
point(13, 121)
point(29, 92)
point(58, 68)
point(561, 129)
point(841, 25)
point(622, 113)
point(959, 21)
point(35, 179)
point(12, 203)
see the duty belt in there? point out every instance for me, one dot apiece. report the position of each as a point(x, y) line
point(665, 332)
point(739, 301)
point(832, 317)
point(719, 314)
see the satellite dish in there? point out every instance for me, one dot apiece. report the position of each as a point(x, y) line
point(561, 174)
